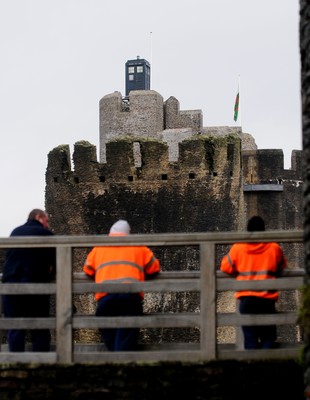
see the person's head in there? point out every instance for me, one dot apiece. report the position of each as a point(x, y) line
point(256, 224)
point(39, 215)
point(121, 227)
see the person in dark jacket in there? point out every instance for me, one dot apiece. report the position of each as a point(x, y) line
point(29, 265)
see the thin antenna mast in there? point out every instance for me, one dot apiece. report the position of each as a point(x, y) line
point(239, 89)
point(151, 57)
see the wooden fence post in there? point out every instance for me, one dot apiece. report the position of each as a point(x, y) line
point(64, 305)
point(207, 301)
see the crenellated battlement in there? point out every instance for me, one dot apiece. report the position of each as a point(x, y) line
point(267, 166)
point(158, 163)
point(176, 118)
point(199, 156)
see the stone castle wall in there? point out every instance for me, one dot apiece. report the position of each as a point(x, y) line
point(142, 116)
point(158, 196)
point(145, 114)
point(176, 118)
point(203, 191)
point(211, 176)
point(164, 172)
point(272, 191)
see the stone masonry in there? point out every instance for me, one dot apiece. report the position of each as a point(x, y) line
point(186, 178)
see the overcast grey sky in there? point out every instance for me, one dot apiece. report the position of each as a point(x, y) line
point(60, 57)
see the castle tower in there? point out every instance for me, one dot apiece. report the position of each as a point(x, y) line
point(137, 75)
point(140, 116)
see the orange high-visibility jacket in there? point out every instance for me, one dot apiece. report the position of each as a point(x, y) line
point(254, 261)
point(120, 264)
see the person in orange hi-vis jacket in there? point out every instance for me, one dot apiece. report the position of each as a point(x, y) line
point(120, 264)
point(256, 261)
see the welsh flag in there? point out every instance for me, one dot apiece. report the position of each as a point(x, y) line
point(236, 108)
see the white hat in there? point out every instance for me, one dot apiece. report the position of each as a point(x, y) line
point(120, 226)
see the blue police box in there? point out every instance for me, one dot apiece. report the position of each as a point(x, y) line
point(137, 75)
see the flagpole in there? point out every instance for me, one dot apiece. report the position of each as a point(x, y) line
point(151, 57)
point(239, 90)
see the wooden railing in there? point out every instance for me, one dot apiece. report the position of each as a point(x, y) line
point(208, 281)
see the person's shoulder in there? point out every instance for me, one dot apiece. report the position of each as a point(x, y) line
point(47, 232)
point(237, 246)
point(146, 248)
point(39, 229)
point(20, 230)
point(31, 228)
point(274, 244)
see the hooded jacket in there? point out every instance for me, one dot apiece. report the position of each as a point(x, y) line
point(120, 264)
point(254, 261)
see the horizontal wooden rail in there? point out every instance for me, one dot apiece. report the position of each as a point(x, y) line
point(154, 239)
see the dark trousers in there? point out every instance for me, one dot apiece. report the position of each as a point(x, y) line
point(120, 304)
point(29, 306)
point(258, 337)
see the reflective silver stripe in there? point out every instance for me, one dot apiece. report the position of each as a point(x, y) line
point(256, 273)
point(120, 280)
point(150, 263)
point(117, 262)
point(229, 260)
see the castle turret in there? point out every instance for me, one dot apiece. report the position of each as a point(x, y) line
point(141, 115)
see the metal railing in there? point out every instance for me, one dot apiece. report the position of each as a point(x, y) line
point(208, 281)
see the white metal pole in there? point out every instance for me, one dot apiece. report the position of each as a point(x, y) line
point(239, 90)
point(151, 58)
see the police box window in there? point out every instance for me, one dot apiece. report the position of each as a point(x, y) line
point(139, 68)
point(131, 70)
